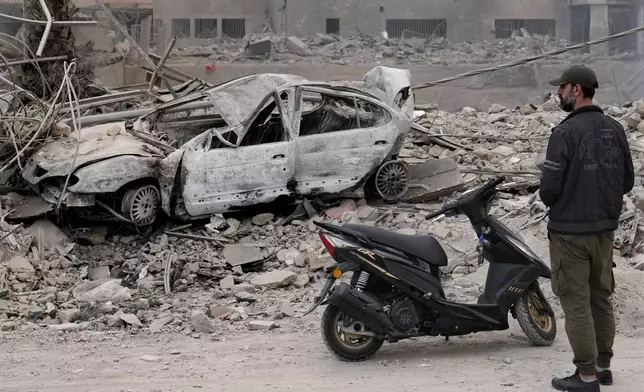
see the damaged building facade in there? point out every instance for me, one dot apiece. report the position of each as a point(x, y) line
point(197, 21)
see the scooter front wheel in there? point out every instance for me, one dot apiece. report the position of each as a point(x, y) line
point(536, 323)
point(343, 344)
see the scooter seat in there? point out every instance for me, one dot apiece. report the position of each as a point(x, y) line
point(425, 247)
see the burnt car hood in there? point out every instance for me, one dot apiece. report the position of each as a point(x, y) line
point(97, 143)
point(238, 100)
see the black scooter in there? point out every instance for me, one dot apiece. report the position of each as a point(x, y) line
point(396, 293)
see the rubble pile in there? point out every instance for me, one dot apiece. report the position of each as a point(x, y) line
point(362, 48)
point(260, 271)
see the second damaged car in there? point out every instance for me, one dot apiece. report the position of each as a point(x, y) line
point(245, 142)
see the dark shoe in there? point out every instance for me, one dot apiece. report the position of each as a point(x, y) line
point(574, 383)
point(605, 377)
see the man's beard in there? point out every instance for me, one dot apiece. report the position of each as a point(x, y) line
point(567, 104)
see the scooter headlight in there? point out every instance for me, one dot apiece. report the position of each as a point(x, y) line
point(523, 247)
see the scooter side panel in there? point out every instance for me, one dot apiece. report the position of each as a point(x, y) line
point(506, 283)
point(420, 279)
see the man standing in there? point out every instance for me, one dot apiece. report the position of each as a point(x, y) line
point(587, 170)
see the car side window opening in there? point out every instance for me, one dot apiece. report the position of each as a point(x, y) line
point(267, 127)
point(322, 113)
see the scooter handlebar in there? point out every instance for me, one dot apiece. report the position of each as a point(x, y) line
point(450, 206)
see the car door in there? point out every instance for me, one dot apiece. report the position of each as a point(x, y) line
point(217, 176)
point(335, 149)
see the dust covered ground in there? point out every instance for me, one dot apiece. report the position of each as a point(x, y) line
point(288, 359)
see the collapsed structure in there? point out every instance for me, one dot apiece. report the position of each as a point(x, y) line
point(215, 150)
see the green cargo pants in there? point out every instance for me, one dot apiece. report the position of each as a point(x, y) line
point(582, 278)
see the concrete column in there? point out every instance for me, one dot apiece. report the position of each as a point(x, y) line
point(599, 27)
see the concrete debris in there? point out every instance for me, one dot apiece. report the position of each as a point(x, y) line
point(151, 359)
point(200, 322)
point(102, 291)
point(295, 45)
point(131, 320)
point(274, 279)
point(157, 325)
point(261, 325)
point(237, 255)
point(362, 48)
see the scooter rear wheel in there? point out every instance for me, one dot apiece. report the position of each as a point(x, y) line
point(344, 345)
point(536, 323)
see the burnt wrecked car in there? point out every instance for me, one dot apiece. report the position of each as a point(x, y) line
point(245, 142)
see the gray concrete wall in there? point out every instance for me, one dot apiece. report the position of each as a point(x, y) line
point(466, 19)
point(254, 11)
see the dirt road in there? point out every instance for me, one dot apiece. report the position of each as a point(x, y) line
point(291, 361)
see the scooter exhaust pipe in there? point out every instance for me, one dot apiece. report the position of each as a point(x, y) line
point(361, 307)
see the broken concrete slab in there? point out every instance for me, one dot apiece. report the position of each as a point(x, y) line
point(236, 255)
point(247, 287)
point(274, 279)
point(21, 267)
point(321, 263)
point(52, 236)
point(439, 177)
point(260, 47)
point(296, 46)
point(102, 291)
point(68, 327)
point(221, 312)
point(131, 320)
point(260, 325)
point(245, 296)
point(157, 325)
point(227, 283)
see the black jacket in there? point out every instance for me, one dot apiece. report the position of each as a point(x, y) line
point(588, 169)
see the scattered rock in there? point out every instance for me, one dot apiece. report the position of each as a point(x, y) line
point(157, 325)
point(274, 279)
point(241, 254)
point(99, 273)
point(243, 287)
point(151, 358)
point(227, 283)
point(263, 219)
point(102, 291)
point(244, 296)
point(22, 268)
point(295, 45)
point(68, 315)
point(131, 320)
point(260, 325)
point(200, 322)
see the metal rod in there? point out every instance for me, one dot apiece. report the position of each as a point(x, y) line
point(54, 22)
point(135, 44)
point(25, 61)
point(132, 114)
point(161, 63)
point(528, 59)
point(45, 35)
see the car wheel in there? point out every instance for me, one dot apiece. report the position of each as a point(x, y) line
point(141, 204)
point(392, 180)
